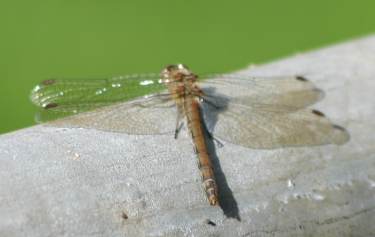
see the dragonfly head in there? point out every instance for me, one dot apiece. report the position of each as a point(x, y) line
point(178, 72)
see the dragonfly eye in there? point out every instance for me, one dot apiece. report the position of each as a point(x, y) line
point(171, 67)
point(168, 71)
point(182, 67)
point(176, 71)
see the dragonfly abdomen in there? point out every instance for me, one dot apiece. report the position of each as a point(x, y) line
point(204, 161)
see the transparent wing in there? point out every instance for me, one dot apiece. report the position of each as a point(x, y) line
point(267, 112)
point(62, 97)
point(263, 113)
point(153, 115)
point(266, 126)
point(294, 92)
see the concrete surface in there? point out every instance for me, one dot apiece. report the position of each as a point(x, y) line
point(84, 182)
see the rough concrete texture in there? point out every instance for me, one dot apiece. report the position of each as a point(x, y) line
point(85, 182)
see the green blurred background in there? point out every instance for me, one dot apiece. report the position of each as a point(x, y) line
point(90, 38)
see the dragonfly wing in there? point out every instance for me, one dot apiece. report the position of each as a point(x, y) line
point(265, 127)
point(294, 92)
point(60, 97)
point(142, 116)
point(99, 104)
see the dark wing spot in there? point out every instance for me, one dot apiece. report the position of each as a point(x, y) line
point(301, 78)
point(48, 82)
point(317, 112)
point(209, 222)
point(50, 105)
point(124, 216)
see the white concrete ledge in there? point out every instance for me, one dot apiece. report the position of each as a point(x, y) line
point(84, 182)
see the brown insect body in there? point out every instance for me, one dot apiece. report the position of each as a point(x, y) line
point(186, 94)
point(255, 112)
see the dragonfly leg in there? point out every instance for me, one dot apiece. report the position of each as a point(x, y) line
point(212, 137)
point(178, 129)
point(179, 124)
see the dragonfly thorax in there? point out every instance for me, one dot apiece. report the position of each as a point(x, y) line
point(178, 72)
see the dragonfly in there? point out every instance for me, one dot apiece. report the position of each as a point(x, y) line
point(254, 112)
